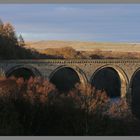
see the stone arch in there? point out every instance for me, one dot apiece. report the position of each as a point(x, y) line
point(134, 89)
point(122, 77)
point(132, 77)
point(66, 76)
point(20, 70)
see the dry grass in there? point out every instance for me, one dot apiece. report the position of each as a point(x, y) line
point(86, 50)
point(85, 46)
point(112, 54)
point(70, 53)
point(65, 53)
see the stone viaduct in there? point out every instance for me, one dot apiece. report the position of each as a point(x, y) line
point(126, 69)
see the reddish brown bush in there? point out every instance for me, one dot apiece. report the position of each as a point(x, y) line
point(89, 98)
point(39, 109)
point(120, 110)
point(8, 89)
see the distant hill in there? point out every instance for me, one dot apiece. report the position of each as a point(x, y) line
point(85, 46)
point(86, 50)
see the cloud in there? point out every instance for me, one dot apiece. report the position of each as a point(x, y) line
point(74, 21)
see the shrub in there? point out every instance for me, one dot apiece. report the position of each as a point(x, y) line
point(35, 107)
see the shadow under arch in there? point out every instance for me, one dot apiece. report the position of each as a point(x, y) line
point(121, 78)
point(25, 71)
point(134, 88)
point(65, 77)
point(133, 76)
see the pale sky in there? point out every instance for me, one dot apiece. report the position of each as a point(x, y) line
point(75, 22)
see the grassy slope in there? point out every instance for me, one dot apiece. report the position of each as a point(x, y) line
point(85, 46)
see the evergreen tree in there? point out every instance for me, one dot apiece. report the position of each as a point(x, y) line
point(21, 41)
point(1, 22)
point(12, 47)
point(1, 27)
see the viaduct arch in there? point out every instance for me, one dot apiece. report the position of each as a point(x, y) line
point(65, 77)
point(85, 69)
point(25, 71)
point(135, 92)
point(79, 74)
point(127, 70)
point(121, 78)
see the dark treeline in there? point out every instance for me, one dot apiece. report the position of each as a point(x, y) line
point(13, 47)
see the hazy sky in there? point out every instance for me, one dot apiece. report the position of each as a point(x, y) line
point(81, 22)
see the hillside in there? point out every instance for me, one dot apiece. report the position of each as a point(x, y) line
point(85, 46)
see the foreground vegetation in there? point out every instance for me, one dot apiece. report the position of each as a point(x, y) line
point(36, 107)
